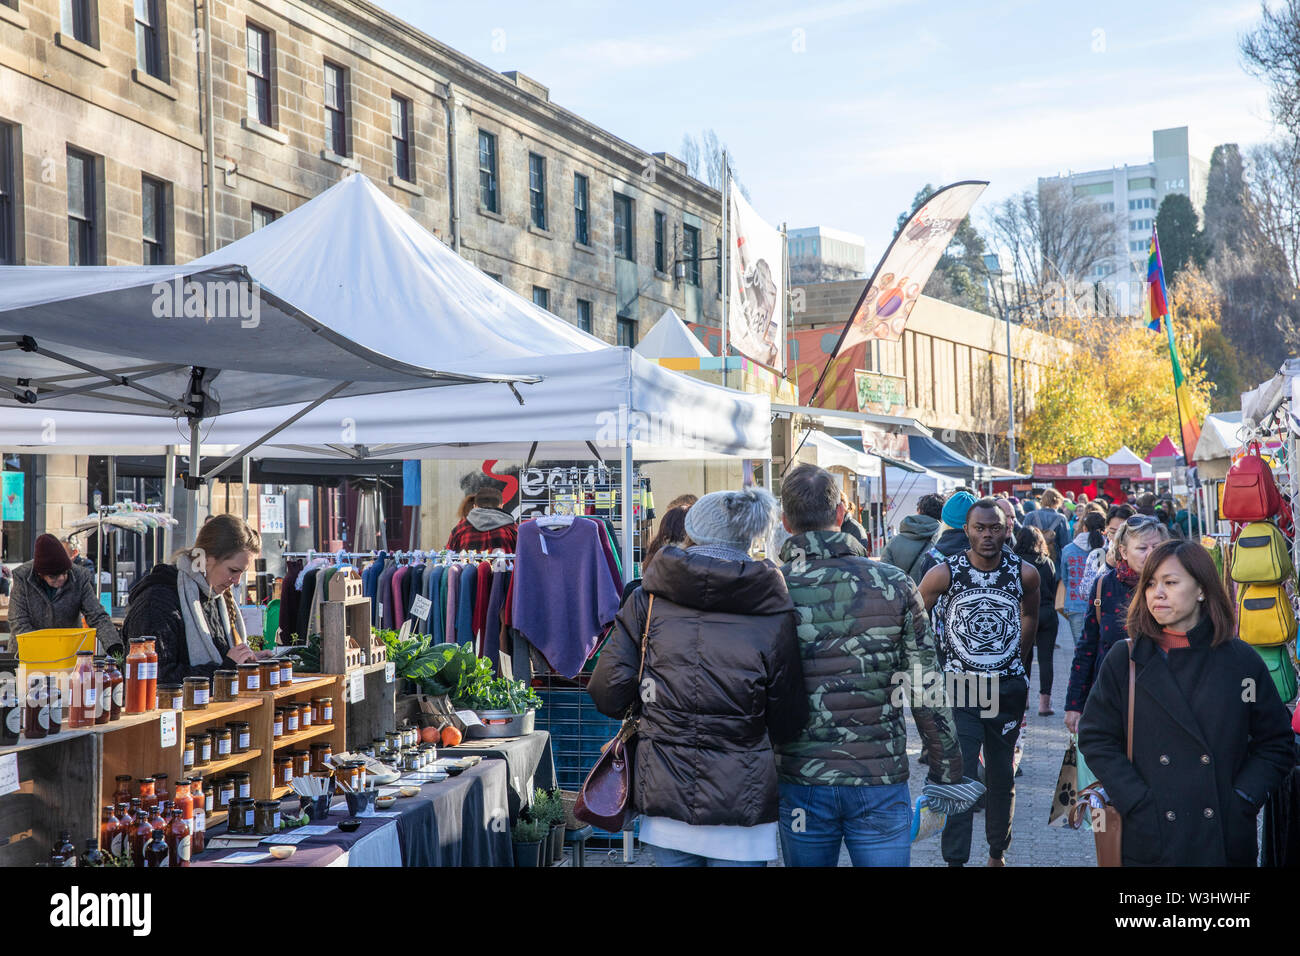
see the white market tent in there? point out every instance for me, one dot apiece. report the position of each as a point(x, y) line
point(1219, 441)
point(833, 453)
point(670, 338)
point(906, 488)
point(1126, 456)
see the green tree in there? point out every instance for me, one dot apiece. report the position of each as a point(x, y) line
point(1180, 235)
point(959, 276)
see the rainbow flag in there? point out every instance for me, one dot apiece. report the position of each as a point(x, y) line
point(1155, 308)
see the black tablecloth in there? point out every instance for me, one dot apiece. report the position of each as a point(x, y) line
point(530, 761)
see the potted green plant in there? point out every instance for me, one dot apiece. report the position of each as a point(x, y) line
point(549, 806)
point(527, 837)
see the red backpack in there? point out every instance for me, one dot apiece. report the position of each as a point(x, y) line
point(1249, 491)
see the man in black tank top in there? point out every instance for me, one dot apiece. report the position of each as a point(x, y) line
point(985, 607)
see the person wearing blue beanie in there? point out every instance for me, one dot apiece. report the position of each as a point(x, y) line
point(955, 508)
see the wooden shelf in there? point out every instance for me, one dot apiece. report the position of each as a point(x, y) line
point(280, 792)
point(234, 760)
point(219, 710)
point(122, 723)
point(302, 735)
point(313, 683)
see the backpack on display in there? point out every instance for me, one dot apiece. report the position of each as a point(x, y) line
point(1261, 555)
point(1264, 615)
point(1249, 491)
point(1280, 668)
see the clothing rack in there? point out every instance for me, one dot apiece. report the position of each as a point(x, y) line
point(400, 555)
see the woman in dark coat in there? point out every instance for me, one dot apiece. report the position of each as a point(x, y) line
point(1211, 736)
point(722, 681)
point(1032, 547)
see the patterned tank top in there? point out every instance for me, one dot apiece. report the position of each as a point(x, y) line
point(978, 617)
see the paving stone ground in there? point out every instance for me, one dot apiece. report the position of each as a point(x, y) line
point(1033, 842)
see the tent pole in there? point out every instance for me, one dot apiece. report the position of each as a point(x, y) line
point(627, 512)
point(257, 442)
point(767, 473)
point(192, 486)
point(726, 250)
point(243, 477)
point(169, 500)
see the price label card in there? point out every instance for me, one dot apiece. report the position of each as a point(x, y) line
point(356, 688)
point(604, 499)
point(405, 632)
point(390, 672)
point(167, 724)
point(470, 718)
point(8, 774)
point(420, 608)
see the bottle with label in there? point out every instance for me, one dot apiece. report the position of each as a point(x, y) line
point(103, 705)
point(11, 709)
point(121, 844)
point(160, 787)
point(108, 827)
point(151, 659)
point(138, 697)
point(92, 855)
point(37, 721)
point(81, 711)
point(63, 847)
point(156, 820)
point(58, 703)
point(141, 834)
point(178, 840)
point(148, 797)
point(156, 852)
point(123, 792)
point(198, 815)
point(114, 688)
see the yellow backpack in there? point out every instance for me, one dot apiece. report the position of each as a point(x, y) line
point(1264, 615)
point(1260, 555)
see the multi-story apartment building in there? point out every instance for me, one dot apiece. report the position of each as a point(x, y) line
point(819, 254)
point(1131, 195)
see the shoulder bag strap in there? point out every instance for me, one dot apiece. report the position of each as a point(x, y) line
point(645, 636)
point(1132, 684)
point(1096, 603)
point(631, 717)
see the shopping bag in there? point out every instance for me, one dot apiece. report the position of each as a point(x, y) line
point(1067, 787)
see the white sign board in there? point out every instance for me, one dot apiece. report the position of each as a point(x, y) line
point(8, 774)
point(270, 514)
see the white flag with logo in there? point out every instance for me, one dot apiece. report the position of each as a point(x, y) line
point(756, 286)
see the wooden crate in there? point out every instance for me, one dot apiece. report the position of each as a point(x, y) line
point(304, 688)
point(58, 790)
point(376, 714)
point(346, 636)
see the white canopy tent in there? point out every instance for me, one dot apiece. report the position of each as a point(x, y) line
point(833, 453)
point(670, 338)
point(906, 488)
point(1126, 456)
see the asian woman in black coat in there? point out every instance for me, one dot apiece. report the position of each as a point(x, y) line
point(1211, 736)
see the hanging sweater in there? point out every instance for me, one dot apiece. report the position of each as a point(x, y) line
point(453, 595)
point(564, 596)
point(467, 585)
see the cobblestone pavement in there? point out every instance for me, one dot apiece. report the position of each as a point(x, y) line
point(1033, 842)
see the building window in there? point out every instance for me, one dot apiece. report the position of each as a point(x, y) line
point(661, 224)
point(487, 171)
point(148, 38)
point(336, 128)
point(259, 75)
point(624, 227)
point(401, 110)
point(82, 239)
point(1138, 225)
point(542, 297)
point(153, 220)
point(537, 190)
point(263, 217)
point(627, 333)
point(8, 252)
point(691, 253)
point(79, 20)
point(584, 315)
point(580, 234)
point(496, 276)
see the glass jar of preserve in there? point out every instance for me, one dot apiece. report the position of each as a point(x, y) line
point(321, 754)
point(241, 818)
point(187, 753)
point(222, 739)
point(393, 740)
point(277, 724)
point(196, 693)
point(209, 796)
point(291, 720)
point(322, 710)
point(304, 715)
point(171, 696)
point(270, 674)
point(350, 772)
point(137, 677)
point(202, 749)
point(250, 677)
point(286, 671)
point(284, 771)
point(301, 762)
point(266, 817)
point(225, 685)
point(225, 793)
point(241, 737)
point(243, 781)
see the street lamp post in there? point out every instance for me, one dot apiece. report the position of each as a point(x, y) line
point(995, 271)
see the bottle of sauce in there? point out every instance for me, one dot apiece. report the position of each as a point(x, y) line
point(58, 703)
point(123, 792)
point(156, 852)
point(63, 847)
point(11, 702)
point(148, 796)
point(151, 658)
point(178, 839)
point(138, 697)
point(81, 711)
point(121, 844)
point(114, 688)
point(37, 721)
point(198, 818)
point(141, 833)
point(108, 826)
point(160, 787)
point(92, 855)
point(103, 702)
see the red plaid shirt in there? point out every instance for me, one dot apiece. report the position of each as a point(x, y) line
point(465, 537)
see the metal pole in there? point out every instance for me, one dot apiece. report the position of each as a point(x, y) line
point(767, 474)
point(243, 477)
point(626, 511)
point(786, 318)
point(169, 499)
point(112, 555)
point(726, 258)
point(192, 494)
point(1011, 399)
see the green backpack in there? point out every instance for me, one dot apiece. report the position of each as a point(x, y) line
point(1281, 669)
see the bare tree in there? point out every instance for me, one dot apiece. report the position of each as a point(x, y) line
point(1273, 173)
point(1272, 53)
point(703, 158)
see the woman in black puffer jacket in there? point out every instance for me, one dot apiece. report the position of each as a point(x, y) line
point(722, 681)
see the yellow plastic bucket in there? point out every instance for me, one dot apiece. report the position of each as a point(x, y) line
point(54, 648)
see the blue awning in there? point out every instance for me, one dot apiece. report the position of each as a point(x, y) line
point(937, 456)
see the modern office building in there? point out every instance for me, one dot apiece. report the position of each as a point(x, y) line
point(819, 254)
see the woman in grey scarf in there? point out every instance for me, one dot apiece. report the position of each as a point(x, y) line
point(188, 605)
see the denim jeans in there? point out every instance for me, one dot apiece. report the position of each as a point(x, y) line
point(875, 822)
point(667, 857)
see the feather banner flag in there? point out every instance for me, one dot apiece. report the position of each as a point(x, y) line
point(1155, 310)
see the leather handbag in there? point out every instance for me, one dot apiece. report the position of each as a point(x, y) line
point(1107, 824)
point(605, 800)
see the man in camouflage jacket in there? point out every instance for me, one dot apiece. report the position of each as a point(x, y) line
point(867, 649)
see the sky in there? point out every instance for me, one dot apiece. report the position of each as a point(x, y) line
point(836, 113)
